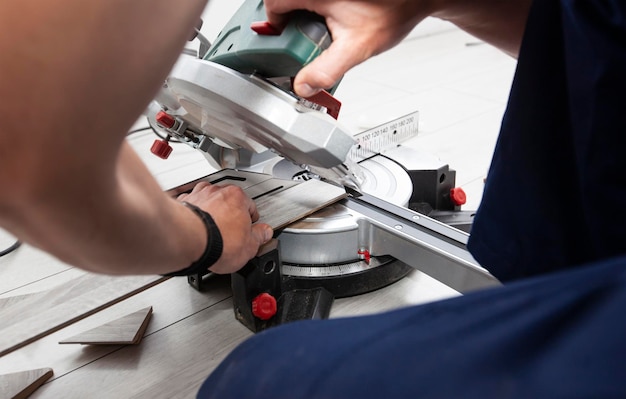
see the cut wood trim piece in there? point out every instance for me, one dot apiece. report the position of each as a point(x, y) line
point(103, 291)
point(22, 384)
point(127, 330)
point(281, 208)
point(280, 202)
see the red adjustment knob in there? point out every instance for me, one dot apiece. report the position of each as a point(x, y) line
point(365, 255)
point(457, 196)
point(164, 119)
point(161, 148)
point(264, 306)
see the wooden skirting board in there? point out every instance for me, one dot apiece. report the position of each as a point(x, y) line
point(279, 202)
point(22, 384)
point(127, 330)
point(43, 313)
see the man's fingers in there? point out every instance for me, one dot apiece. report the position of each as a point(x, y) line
point(201, 186)
point(254, 212)
point(277, 20)
point(263, 232)
point(326, 70)
point(278, 11)
point(208, 187)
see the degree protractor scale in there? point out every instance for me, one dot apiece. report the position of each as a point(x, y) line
point(379, 139)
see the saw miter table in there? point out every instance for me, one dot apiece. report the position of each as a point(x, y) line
point(234, 102)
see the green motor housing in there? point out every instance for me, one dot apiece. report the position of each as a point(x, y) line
point(240, 48)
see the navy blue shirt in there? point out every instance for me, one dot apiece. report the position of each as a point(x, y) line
point(552, 218)
point(555, 196)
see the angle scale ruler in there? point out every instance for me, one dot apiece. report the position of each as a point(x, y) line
point(383, 137)
point(334, 270)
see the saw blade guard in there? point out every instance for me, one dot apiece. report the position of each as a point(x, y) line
point(238, 94)
point(244, 111)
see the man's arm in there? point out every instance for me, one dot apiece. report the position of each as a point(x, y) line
point(74, 76)
point(498, 22)
point(364, 28)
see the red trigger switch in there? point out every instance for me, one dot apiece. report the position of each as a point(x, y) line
point(264, 306)
point(265, 28)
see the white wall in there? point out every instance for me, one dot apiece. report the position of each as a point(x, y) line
point(216, 15)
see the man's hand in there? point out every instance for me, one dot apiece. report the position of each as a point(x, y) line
point(233, 212)
point(360, 30)
point(364, 28)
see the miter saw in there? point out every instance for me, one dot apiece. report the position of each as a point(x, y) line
point(234, 102)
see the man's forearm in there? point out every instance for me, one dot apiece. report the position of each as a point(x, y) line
point(498, 22)
point(70, 87)
point(122, 224)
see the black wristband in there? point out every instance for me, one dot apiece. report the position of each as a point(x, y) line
point(213, 249)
